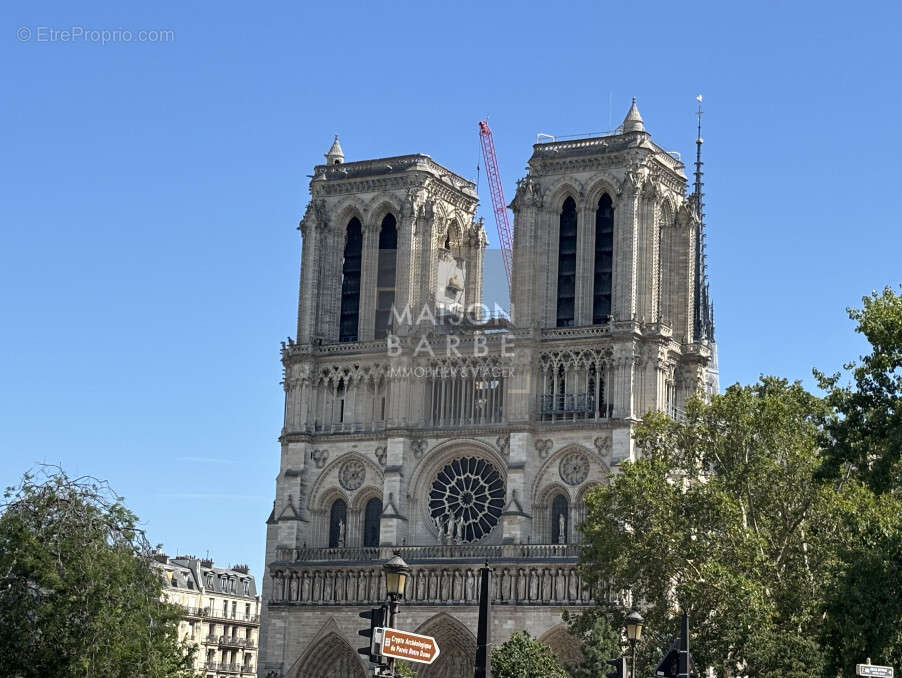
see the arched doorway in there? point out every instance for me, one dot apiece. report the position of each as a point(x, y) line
point(565, 646)
point(329, 657)
point(458, 646)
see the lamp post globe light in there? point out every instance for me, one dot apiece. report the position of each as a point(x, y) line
point(396, 572)
point(634, 623)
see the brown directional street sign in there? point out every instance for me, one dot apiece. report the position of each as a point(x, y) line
point(410, 646)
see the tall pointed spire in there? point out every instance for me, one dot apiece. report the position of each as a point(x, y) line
point(703, 316)
point(633, 120)
point(335, 156)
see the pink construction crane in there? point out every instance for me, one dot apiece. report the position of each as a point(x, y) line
point(502, 220)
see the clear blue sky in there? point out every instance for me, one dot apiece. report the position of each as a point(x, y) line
point(149, 258)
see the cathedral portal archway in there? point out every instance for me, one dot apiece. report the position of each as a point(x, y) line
point(458, 648)
point(329, 657)
point(564, 645)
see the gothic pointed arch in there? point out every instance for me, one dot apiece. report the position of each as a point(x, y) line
point(563, 188)
point(338, 522)
point(550, 472)
point(329, 482)
point(386, 273)
point(328, 656)
point(564, 645)
point(560, 519)
point(458, 645)
point(604, 259)
point(350, 207)
point(351, 268)
point(372, 515)
point(566, 264)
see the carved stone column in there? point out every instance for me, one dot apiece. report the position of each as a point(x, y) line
point(394, 527)
point(585, 259)
point(370, 263)
point(625, 245)
point(310, 277)
point(516, 521)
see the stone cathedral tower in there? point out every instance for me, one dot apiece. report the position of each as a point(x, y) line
point(414, 422)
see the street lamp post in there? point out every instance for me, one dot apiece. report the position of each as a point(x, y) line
point(634, 623)
point(396, 571)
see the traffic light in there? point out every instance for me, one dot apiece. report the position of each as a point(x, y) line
point(619, 665)
point(377, 617)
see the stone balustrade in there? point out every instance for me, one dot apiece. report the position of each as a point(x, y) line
point(527, 574)
point(286, 555)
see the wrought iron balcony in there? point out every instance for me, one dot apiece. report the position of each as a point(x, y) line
point(234, 641)
point(192, 611)
point(224, 614)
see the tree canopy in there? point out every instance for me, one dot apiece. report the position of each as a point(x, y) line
point(78, 597)
point(864, 435)
point(727, 516)
point(522, 656)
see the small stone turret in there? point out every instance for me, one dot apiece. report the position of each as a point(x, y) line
point(633, 120)
point(336, 156)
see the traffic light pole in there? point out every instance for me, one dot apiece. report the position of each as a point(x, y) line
point(392, 618)
point(484, 627)
point(684, 647)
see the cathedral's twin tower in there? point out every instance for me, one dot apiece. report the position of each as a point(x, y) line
point(460, 440)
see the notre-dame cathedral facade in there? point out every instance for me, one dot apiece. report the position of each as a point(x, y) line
point(417, 421)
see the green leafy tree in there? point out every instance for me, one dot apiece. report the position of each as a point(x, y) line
point(723, 516)
point(863, 610)
point(863, 440)
point(78, 597)
point(403, 669)
point(522, 656)
point(865, 436)
point(598, 631)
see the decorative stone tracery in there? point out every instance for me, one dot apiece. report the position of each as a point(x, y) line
point(352, 474)
point(466, 499)
point(574, 468)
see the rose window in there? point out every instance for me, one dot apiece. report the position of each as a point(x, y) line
point(351, 475)
point(466, 499)
point(574, 468)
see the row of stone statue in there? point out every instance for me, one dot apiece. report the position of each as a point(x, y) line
point(354, 585)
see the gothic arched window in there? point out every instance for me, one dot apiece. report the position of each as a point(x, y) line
point(560, 519)
point(604, 259)
point(350, 282)
point(338, 520)
point(371, 516)
point(566, 265)
point(385, 278)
